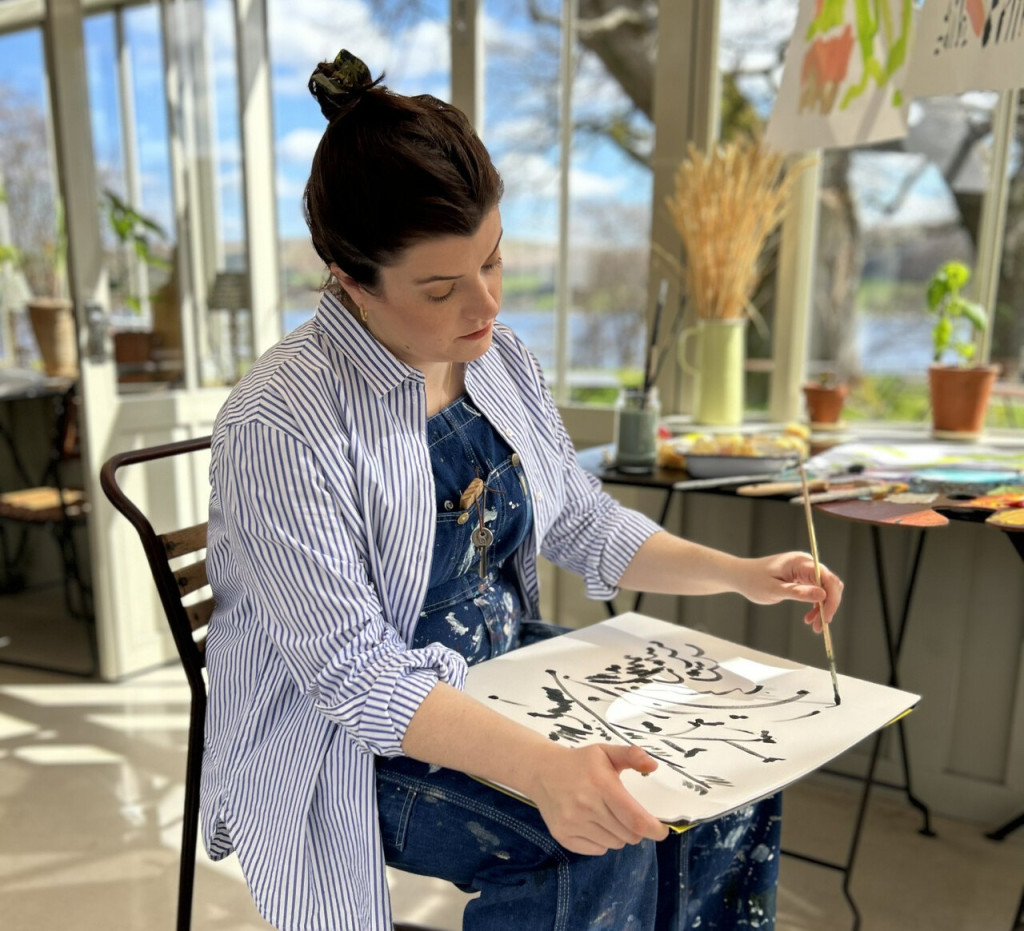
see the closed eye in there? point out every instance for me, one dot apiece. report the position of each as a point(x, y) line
point(493, 264)
point(442, 298)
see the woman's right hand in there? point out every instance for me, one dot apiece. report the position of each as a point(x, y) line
point(583, 801)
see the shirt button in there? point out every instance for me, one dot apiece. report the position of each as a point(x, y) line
point(463, 517)
point(515, 459)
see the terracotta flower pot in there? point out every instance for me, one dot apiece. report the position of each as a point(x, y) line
point(53, 323)
point(825, 402)
point(960, 398)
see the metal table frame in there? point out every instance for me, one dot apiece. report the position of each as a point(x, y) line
point(893, 629)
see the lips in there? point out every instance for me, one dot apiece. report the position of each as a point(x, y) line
point(479, 334)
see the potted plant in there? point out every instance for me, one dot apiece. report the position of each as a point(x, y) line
point(133, 232)
point(52, 315)
point(824, 397)
point(959, 390)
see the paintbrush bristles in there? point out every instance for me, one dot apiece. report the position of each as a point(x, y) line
point(724, 207)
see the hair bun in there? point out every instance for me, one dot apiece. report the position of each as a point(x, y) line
point(338, 84)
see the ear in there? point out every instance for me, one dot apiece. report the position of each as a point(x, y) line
point(354, 289)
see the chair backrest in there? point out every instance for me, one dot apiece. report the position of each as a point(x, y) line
point(176, 577)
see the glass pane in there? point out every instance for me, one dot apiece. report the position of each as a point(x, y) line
point(124, 60)
point(521, 131)
point(29, 239)
point(752, 38)
point(888, 217)
point(609, 185)
point(226, 352)
point(1008, 323)
point(409, 42)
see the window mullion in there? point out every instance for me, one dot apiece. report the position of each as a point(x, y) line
point(992, 224)
point(563, 286)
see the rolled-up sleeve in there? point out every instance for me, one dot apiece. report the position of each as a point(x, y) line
point(298, 544)
point(591, 533)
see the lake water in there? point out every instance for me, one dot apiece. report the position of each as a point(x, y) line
point(887, 345)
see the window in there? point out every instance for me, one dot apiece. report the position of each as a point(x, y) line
point(1007, 330)
point(124, 59)
point(28, 212)
point(409, 43)
point(608, 192)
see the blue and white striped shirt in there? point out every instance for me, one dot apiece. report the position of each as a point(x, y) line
point(322, 517)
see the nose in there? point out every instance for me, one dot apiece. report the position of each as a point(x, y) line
point(489, 301)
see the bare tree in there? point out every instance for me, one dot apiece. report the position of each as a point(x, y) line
point(30, 190)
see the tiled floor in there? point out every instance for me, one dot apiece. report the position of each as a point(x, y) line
point(90, 815)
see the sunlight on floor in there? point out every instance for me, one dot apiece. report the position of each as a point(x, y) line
point(91, 795)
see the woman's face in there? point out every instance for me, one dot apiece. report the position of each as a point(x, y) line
point(437, 304)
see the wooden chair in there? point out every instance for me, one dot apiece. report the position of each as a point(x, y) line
point(177, 561)
point(51, 502)
point(187, 623)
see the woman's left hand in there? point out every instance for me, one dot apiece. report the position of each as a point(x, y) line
point(791, 576)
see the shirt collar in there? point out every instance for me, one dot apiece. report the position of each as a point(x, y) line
point(382, 370)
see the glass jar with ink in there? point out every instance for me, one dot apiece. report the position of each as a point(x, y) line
point(636, 430)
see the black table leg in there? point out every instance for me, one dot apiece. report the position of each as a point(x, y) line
point(894, 634)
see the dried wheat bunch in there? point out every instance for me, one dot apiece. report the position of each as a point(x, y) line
point(724, 207)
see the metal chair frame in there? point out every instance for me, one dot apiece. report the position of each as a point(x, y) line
point(188, 625)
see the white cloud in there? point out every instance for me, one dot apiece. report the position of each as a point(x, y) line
point(298, 146)
point(303, 34)
point(534, 176)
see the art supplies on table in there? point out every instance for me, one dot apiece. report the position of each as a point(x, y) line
point(728, 724)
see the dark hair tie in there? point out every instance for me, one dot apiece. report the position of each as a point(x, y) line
point(339, 84)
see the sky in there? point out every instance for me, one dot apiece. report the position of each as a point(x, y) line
point(414, 54)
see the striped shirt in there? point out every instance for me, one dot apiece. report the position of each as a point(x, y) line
point(322, 517)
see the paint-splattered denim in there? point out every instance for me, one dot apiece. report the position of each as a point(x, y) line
point(717, 876)
point(437, 822)
point(714, 877)
point(476, 616)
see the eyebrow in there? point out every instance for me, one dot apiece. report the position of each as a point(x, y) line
point(430, 279)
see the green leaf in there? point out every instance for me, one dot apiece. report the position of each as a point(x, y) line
point(965, 351)
point(938, 288)
point(976, 314)
point(957, 275)
point(942, 334)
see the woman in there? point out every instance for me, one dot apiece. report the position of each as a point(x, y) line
point(383, 481)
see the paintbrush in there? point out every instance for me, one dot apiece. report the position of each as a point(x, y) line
point(652, 364)
point(825, 633)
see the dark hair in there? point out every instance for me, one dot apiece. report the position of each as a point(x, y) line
point(390, 171)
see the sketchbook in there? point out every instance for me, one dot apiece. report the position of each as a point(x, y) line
point(728, 724)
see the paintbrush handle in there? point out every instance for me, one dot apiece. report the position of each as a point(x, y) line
point(825, 632)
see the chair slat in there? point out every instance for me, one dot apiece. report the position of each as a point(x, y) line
point(184, 541)
point(191, 578)
point(199, 614)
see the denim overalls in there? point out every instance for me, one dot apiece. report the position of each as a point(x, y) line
point(477, 616)
point(438, 822)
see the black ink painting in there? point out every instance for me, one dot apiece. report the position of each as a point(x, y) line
point(726, 724)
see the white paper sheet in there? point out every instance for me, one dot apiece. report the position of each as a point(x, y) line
point(728, 724)
point(841, 82)
point(965, 45)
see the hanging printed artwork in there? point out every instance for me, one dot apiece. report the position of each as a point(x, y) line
point(963, 45)
point(841, 83)
point(728, 725)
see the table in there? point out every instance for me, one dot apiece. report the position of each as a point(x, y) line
point(19, 387)
point(894, 621)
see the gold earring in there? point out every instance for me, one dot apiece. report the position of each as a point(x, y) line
point(362, 313)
